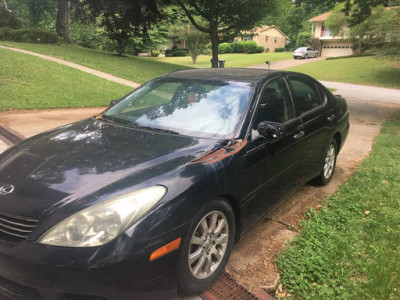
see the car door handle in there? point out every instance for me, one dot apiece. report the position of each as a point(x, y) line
point(299, 135)
point(331, 118)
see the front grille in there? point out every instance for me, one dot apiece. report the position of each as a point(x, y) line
point(16, 227)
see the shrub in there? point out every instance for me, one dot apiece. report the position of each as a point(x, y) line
point(155, 53)
point(279, 49)
point(179, 52)
point(238, 47)
point(28, 35)
point(250, 46)
point(224, 48)
point(260, 49)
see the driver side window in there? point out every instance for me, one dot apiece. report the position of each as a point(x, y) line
point(275, 103)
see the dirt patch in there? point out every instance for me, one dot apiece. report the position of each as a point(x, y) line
point(252, 261)
point(396, 65)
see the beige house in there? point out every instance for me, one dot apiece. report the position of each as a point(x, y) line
point(271, 37)
point(330, 45)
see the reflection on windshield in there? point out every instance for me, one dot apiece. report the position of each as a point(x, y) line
point(190, 107)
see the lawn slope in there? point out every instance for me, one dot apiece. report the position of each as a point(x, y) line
point(31, 82)
point(137, 69)
point(358, 70)
point(351, 248)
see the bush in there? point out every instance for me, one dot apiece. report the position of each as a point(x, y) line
point(85, 35)
point(279, 49)
point(155, 53)
point(238, 47)
point(260, 49)
point(28, 35)
point(250, 46)
point(224, 48)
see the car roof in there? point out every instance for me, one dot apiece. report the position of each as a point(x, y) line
point(225, 74)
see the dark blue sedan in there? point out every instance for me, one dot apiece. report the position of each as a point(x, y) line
point(147, 199)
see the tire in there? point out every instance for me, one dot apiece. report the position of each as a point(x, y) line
point(295, 57)
point(316, 55)
point(305, 56)
point(328, 165)
point(209, 256)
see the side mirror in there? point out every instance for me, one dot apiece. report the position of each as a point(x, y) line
point(113, 102)
point(271, 130)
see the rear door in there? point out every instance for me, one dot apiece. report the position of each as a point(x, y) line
point(317, 117)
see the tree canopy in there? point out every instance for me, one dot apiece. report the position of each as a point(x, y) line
point(224, 16)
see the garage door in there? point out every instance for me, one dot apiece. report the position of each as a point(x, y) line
point(336, 49)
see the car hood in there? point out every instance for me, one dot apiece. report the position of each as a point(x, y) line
point(65, 165)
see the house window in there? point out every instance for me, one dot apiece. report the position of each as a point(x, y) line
point(266, 38)
point(247, 37)
point(276, 39)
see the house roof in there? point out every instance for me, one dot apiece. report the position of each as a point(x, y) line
point(320, 18)
point(264, 28)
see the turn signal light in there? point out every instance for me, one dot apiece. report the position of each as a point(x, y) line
point(166, 249)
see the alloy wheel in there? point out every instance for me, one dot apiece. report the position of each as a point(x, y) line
point(208, 245)
point(329, 161)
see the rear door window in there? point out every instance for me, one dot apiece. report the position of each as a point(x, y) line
point(305, 94)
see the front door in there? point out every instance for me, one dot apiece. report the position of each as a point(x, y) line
point(270, 166)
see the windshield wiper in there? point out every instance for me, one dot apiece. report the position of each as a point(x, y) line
point(157, 129)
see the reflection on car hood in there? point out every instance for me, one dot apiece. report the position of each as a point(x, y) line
point(77, 160)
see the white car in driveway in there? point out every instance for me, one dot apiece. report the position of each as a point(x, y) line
point(305, 52)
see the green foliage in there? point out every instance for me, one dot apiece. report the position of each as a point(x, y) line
point(279, 49)
point(176, 52)
point(250, 46)
point(8, 20)
point(350, 249)
point(238, 47)
point(155, 53)
point(28, 35)
point(86, 35)
point(224, 48)
point(303, 39)
point(261, 49)
point(224, 16)
point(121, 19)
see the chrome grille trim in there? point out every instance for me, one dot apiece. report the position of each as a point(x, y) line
point(16, 226)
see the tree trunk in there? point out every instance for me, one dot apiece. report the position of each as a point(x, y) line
point(214, 47)
point(62, 23)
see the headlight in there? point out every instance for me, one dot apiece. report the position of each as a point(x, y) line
point(102, 222)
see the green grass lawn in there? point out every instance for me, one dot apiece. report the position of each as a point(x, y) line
point(359, 70)
point(137, 69)
point(31, 82)
point(141, 69)
point(351, 248)
point(232, 60)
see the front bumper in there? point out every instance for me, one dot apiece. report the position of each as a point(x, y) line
point(118, 270)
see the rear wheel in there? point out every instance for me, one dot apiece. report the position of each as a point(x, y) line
point(305, 56)
point(206, 247)
point(329, 164)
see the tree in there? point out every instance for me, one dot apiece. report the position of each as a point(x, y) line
point(62, 22)
point(385, 30)
point(303, 39)
point(360, 10)
point(195, 40)
point(121, 19)
point(222, 16)
point(7, 19)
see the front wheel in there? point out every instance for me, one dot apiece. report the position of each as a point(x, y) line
point(329, 164)
point(206, 247)
point(305, 56)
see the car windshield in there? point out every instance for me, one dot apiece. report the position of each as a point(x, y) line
point(200, 108)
